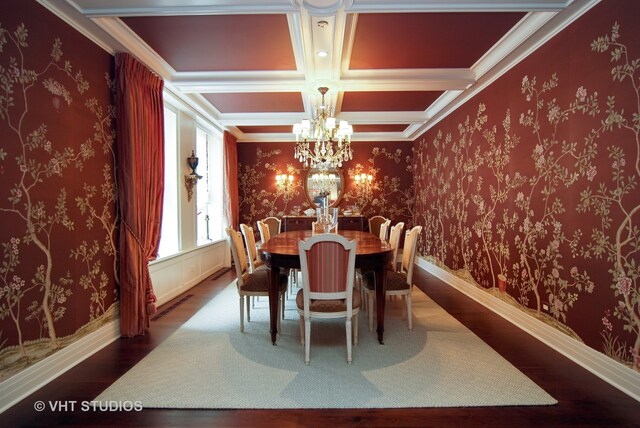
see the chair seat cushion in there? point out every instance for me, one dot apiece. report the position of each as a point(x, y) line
point(327, 305)
point(258, 281)
point(395, 280)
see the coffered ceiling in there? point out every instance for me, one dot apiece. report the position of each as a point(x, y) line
point(253, 67)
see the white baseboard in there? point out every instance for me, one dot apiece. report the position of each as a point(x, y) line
point(36, 376)
point(609, 370)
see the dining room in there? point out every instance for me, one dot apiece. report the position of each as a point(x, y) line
point(181, 175)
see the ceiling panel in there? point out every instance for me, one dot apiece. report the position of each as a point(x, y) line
point(218, 42)
point(426, 40)
point(389, 101)
point(256, 102)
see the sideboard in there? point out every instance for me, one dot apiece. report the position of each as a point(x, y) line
point(290, 223)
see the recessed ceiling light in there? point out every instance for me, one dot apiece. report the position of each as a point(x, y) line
point(322, 24)
point(322, 54)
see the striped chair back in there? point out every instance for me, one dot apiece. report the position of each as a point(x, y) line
point(328, 266)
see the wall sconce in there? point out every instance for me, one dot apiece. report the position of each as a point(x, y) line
point(364, 180)
point(284, 181)
point(192, 179)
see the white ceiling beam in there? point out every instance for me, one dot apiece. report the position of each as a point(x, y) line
point(96, 8)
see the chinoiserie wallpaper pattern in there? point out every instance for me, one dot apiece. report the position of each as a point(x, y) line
point(57, 199)
point(535, 182)
point(390, 193)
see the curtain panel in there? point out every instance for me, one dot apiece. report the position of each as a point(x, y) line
point(231, 209)
point(140, 179)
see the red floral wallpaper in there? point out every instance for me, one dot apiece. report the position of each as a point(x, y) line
point(57, 199)
point(390, 193)
point(535, 181)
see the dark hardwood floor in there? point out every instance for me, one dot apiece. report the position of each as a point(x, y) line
point(584, 399)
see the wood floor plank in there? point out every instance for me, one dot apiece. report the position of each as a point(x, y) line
point(584, 399)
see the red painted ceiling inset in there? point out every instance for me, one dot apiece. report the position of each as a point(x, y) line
point(426, 40)
point(218, 42)
point(267, 129)
point(379, 128)
point(389, 101)
point(255, 102)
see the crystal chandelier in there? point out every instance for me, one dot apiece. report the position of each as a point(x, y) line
point(331, 144)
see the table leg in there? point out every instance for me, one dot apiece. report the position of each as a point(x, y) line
point(274, 274)
point(381, 294)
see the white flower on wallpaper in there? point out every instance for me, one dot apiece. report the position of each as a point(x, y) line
point(39, 216)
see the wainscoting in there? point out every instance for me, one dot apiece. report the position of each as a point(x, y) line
point(171, 277)
point(174, 275)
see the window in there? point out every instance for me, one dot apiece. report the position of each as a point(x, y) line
point(170, 230)
point(209, 188)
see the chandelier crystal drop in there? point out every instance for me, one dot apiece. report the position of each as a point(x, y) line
point(319, 142)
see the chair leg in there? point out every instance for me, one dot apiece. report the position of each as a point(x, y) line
point(355, 329)
point(301, 329)
point(248, 310)
point(348, 328)
point(241, 313)
point(409, 310)
point(307, 341)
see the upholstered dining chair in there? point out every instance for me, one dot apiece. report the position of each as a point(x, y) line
point(252, 252)
point(394, 241)
point(251, 284)
point(265, 231)
point(398, 283)
point(327, 263)
point(374, 224)
point(275, 225)
point(384, 230)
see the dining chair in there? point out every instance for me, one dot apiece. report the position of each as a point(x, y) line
point(327, 262)
point(384, 230)
point(374, 224)
point(252, 252)
point(265, 231)
point(251, 284)
point(275, 225)
point(394, 241)
point(398, 283)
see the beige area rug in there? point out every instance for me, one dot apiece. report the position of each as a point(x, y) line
point(208, 364)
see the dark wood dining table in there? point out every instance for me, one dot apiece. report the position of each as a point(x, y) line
point(281, 252)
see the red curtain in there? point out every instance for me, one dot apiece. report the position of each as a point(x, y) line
point(231, 208)
point(140, 178)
